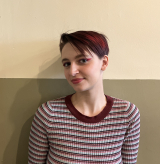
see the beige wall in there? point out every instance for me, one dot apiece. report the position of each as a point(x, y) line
point(30, 32)
point(31, 71)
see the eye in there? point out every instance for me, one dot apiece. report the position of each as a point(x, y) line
point(83, 61)
point(65, 64)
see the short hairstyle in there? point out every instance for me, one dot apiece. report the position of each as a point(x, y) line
point(85, 41)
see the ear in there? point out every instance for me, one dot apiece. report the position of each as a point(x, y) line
point(104, 62)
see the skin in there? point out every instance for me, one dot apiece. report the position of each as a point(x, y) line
point(89, 98)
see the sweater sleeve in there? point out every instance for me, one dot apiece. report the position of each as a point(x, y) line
point(38, 143)
point(130, 145)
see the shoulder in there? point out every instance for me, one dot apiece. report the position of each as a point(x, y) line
point(126, 108)
point(48, 108)
point(46, 112)
point(58, 102)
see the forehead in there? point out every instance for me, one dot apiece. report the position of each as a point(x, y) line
point(71, 51)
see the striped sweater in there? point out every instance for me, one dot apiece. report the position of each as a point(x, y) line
point(61, 134)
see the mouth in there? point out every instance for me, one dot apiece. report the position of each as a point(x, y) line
point(76, 81)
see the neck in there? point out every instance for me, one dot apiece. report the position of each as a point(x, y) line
point(89, 102)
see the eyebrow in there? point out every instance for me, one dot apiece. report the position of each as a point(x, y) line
point(78, 56)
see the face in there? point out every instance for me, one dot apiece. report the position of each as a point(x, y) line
point(76, 65)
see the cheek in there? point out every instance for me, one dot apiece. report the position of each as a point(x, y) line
point(89, 71)
point(94, 72)
point(65, 74)
point(92, 69)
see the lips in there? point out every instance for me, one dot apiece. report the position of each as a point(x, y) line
point(76, 81)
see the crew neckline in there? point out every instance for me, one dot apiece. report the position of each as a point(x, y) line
point(87, 119)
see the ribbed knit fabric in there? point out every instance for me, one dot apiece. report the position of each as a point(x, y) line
point(61, 134)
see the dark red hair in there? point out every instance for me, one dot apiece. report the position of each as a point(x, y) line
point(84, 40)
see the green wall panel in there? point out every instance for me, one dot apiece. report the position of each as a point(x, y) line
point(20, 98)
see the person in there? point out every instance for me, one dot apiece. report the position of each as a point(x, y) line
point(87, 126)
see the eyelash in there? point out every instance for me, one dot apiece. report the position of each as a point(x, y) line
point(79, 60)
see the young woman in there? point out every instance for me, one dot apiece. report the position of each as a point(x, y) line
point(87, 126)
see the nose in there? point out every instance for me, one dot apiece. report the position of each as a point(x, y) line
point(73, 69)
